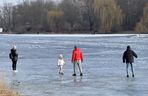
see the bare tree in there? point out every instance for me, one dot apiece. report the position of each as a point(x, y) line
point(87, 7)
point(7, 16)
point(104, 16)
point(71, 14)
point(55, 20)
point(133, 10)
point(32, 16)
point(109, 14)
point(142, 26)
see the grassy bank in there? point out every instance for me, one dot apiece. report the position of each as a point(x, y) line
point(5, 91)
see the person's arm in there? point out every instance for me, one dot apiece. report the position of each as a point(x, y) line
point(81, 56)
point(64, 61)
point(10, 56)
point(134, 54)
point(73, 57)
point(58, 62)
point(123, 58)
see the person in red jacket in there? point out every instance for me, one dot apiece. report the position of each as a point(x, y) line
point(77, 59)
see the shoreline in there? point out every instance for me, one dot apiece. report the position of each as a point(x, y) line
point(6, 91)
point(77, 35)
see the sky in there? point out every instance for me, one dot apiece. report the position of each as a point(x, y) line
point(14, 2)
point(9, 1)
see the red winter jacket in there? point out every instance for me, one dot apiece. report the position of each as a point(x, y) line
point(77, 55)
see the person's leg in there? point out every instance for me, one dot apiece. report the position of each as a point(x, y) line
point(14, 65)
point(127, 69)
point(74, 68)
point(59, 69)
point(62, 73)
point(80, 67)
point(132, 69)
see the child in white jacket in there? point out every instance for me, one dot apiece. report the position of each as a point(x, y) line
point(61, 63)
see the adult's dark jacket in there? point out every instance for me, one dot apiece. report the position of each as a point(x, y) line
point(13, 55)
point(129, 55)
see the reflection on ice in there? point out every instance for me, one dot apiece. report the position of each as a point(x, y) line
point(15, 83)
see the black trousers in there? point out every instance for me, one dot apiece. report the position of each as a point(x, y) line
point(14, 65)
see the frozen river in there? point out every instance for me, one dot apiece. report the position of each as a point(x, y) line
point(104, 72)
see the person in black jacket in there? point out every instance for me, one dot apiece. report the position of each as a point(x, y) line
point(128, 57)
point(14, 57)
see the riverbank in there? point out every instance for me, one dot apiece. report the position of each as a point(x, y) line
point(73, 32)
point(5, 91)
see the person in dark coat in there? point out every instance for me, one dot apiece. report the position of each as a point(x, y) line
point(128, 58)
point(14, 57)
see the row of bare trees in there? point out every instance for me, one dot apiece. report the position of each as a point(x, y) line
point(142, 26)
point(75, 16)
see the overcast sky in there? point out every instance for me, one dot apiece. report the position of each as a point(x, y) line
point(9, 1)
point(16, 1)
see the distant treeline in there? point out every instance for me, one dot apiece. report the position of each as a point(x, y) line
point(75, 16)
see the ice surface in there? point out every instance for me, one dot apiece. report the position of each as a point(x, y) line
point(104, 72)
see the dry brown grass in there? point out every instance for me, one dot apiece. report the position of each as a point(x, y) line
point(5, 91)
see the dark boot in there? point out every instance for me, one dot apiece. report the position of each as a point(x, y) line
point(74, 75)
point(127, 76)
point(133, 75)
point(81, 74)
